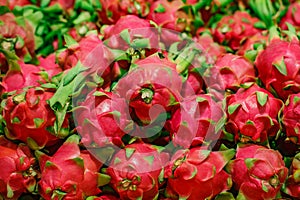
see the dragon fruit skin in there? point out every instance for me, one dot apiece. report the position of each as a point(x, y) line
point(137, 28)
point(290, 118)
point(292, 16)
point(12, 3)
point(171, 16)
point(229, 72)
point(258, 172)
point(234, 29)
point(112, 11)
point(17, 175)
point(30, 119)
point(143, 88)
point(249, 44)
point(202, 114)
point(253, 114)
point(24, 44)
point(279, 70)
point(198, 174)
point(212, 50)
point(30, 75)
point(99, 123)
point(292, 186)
point(78, 181)
point(135, 171)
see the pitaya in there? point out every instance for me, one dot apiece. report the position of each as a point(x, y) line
point(212, 50)
point(18, 174)
point(258, 172)
point(253, 114)
point(234, 29)
point(200, 113)
point(198, 174)
point(292, 184)
point(148, 94)
point(30, 75)
point(136, 171)
point(131, 31)
point(30, 119)
point(112, 11)
point(170, 15)
point(70, 173)
point(252, 44)
point(99, 121)
point(290, 118)
point(292, 16)
point(279, 70)
point(229, 72)
point(15, 39)
point(12, 3)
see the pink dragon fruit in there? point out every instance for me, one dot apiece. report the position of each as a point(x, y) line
point(229, 72)
point(15, 39)
point(290, 118)
point(170, 15)
point(292, 16)
point(136, 171)
point(258, 172)
point(30, 119)
point(198, 174)
point(292, 184)
point(144, 88)
point(70, 173)
point(279, 70)
point(99, 121)
point(251, 44)
point(212, 50)
point(30, 75)
point(131, 31)
point(200, 113)
point(112, 11)
point(91, 52)
point(17, 175)
point(12, 3)
point(253, 114)
point(235, 29)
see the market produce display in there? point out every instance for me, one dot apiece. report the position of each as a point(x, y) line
point(150, 100)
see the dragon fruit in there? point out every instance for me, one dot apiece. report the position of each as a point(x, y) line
point(291, 114)
point(212, 50)
point(99, 121)
point(198, 174)
point(30, 119)
point(229, 72)
point(258, 172)
point(200, 113)
point(144, 89)
point(279, 70)
point(136, 171)
point(131, 31)
point(80, 180)
point(170, 15)
point(30, 75)
point(235, 29)
point(253, 114)
point(12, 3)
point(15, 39)
point(292, 16)
point(252, 44)
point(292, 184)
point(18, 175)
point(112, 11)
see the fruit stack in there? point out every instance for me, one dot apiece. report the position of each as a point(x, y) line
point(146, 100)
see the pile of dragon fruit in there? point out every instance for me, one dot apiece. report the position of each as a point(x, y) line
point(146, 100)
